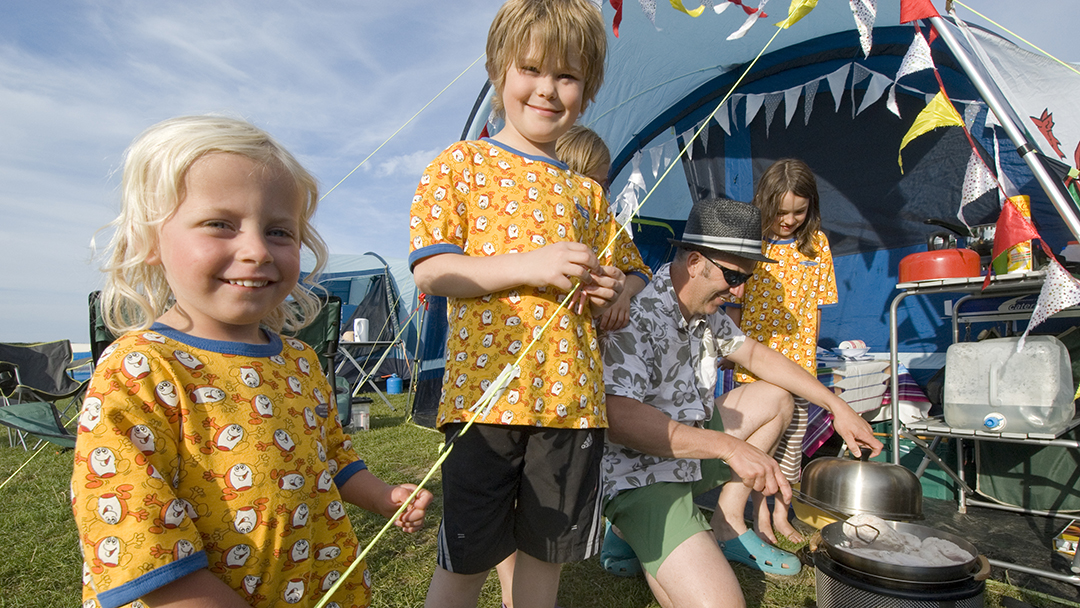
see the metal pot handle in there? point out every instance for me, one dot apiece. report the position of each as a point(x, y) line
point(984, 568)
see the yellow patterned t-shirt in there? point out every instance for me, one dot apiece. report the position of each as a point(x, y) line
point(195, 454)
point(482, 199)
point(781, 302)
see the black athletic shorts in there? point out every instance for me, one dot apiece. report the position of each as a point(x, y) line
point(508, 487)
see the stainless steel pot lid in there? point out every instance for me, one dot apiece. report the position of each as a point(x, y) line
point(849, 486)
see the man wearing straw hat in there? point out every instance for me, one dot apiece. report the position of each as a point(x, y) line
point(670, 438)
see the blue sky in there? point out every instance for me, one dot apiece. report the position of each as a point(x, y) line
point(332, 80)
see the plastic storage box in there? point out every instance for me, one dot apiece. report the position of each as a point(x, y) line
point(991, 387)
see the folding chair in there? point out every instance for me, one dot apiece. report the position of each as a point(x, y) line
point(323, 335)
point(34, 378)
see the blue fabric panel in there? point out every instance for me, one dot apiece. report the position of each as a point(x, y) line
point(738, 167)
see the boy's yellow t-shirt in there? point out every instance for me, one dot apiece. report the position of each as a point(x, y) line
point(199, 454)
point(482, 199)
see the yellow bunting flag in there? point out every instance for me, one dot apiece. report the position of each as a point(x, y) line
point(678, 5)
point(938, 113)
point(797, 10)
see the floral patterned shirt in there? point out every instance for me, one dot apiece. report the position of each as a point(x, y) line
point(658, 359)
point(480, 198)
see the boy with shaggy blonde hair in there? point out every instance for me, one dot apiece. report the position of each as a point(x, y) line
point(505, 231)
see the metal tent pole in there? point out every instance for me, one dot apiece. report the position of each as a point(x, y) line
point(996, 100)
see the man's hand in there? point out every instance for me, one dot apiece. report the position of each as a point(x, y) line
point(758, 471)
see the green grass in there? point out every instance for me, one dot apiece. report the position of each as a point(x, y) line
point(40, 567)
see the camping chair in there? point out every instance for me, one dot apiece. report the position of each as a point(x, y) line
point(323, 335)
point(34, 379)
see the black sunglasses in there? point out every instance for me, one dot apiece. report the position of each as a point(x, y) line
point(733, 278)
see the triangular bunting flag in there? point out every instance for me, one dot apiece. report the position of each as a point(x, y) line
point(877, 86)
point(938, 113)
point(971, 112)
point(628, 198)
point(916, 59)
point(837, 81)
point(772, 101)
point(791, 102)
point(688, 143)
point(796, 11)
point(1012, 228)
point(678, 5)
point(1008, 189)
point(704, 137)
point(977, 181)
point(753, 104)
point(910, 10)
point(865, 12)
point(808, 101)
point(890, 103)
point(656, 154)
point(1060, 290)
point(649, 8)
point(723, 116)
point(858, 74)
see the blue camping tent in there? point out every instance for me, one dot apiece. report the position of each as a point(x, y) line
point(815, 95)
point(381, 290)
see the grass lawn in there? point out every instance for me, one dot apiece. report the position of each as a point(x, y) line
point(40, 564)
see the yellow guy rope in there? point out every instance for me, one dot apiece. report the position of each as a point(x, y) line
point(394, 134)
point(21, 467)
point(481, 406)
point(1017, 36)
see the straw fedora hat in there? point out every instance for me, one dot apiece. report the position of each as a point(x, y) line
point(725, 226)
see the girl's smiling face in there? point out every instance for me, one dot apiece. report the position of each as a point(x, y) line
point(231, 250)
point(790, 215)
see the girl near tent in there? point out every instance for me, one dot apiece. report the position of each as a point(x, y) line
point(781, 304)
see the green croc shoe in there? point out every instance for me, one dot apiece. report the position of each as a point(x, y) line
point(749, 549)
point(617, 557)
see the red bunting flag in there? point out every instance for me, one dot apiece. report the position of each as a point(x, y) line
point(1012, 228)
point(912, 10)
point(617, 5)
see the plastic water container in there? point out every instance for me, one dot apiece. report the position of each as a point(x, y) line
point(991, 387)
point(393, 385)
point(362, 416)
point(360, 330)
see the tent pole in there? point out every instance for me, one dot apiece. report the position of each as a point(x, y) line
point(996, 100)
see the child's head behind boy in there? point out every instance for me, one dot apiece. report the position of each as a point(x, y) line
point(214, 212)
point(545, 59)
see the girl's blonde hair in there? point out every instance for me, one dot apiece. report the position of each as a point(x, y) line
point(155, 168)
point(583, 151)
point(558, 27)
point(794, 176)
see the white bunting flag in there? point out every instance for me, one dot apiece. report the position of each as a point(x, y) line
point(791, 102)
point(865, 12)
point(836, 81)
point(977, 181)
point(753, 104)
point(1060, 290)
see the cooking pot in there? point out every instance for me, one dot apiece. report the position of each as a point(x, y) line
point(940, 264)
point(836, 544)
point(850, 486)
